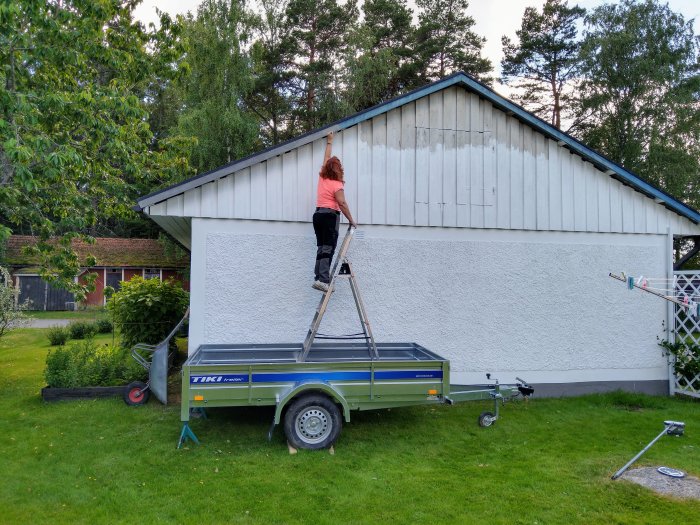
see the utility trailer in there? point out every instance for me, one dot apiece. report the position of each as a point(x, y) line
point(314, 386)
point(313, 397)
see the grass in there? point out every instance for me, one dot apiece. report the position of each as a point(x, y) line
point(546, 461)
point(78, 315)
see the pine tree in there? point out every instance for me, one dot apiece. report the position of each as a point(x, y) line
point(269, 98)
point(639, 102)
point(314, 50)
point(446, 42)
point(545, 60)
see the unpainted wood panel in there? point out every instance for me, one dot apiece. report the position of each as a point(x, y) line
point(435, 178)
point(567, 191)
point(274, 188)
point(393, 167)
point(224, 197)
point(209, 200)
point(379, 169)
point(258, 191)
point(517, 175)
point(193, 202)
point(530, 179)
point(241, 194)
point(627, 210)
point(555, 197)
point(422, 175)
point(463, 178)
point(289, 185)
point(364, 174)
point(489, 167)
point(350, 165)
point(306, 174)
point(542, 181)
point(604, 182)
point(408, 164)
point(616, 206)
point(592, 213)
point(503, 174)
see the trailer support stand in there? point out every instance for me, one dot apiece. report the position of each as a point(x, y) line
point(186, 434)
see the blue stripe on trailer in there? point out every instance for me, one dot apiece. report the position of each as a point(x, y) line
point(296, 377)
point(408, 374)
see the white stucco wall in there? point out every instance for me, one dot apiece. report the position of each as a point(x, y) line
point(535, 304)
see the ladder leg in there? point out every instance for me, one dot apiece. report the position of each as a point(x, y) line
point(364, 320)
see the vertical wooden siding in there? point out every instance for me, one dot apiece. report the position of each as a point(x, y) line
point(448, 159)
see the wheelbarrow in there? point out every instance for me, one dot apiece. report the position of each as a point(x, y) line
point(156, 359)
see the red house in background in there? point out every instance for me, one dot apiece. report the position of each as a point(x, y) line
point(118, 260)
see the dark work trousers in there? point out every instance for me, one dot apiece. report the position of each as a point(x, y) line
point(326, 224)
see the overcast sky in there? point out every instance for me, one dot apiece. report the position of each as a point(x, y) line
point(494, 18)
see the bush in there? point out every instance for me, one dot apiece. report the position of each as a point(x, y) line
point(686, 357)
point(58, 335)
point(103, 326)
point(146, 310)
point(82, 330)
point(11, 314)
point(85, 363)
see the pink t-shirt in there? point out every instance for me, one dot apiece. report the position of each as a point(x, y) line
point(326, 193)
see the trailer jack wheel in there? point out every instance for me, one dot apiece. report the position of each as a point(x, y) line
point(136, 393)
point(486, 419)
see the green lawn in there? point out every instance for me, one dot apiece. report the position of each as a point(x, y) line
point(546, 461)
point(82, 315)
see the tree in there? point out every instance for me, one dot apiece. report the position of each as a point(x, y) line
point(220, 77)
point(446, 42)
point(545, 60)
point(75, 145)
point(380, 62)
point(269, 99)
point(314, 49)
point(639, 98)
point(11, 313)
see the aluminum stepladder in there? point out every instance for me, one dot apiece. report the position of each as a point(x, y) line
point(341, 268)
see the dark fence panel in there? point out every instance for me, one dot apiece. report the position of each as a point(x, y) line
point(43, 296)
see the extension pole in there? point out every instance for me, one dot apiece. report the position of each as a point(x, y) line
point(669, 427)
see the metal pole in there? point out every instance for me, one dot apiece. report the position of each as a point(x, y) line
point(668, 428)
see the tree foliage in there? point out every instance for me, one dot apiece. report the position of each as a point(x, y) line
point(220, 78)
point(75, 145)
point(640, 93)
point(446, 42)
point(544, 61)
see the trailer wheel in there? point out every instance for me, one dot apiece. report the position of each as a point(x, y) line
point(486, 419)
point(136, 393)
point(312, 422)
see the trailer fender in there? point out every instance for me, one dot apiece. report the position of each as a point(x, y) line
point(311, 387)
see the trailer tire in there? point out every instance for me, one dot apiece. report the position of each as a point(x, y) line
point(136, 393)
point(486, 419)
point(312, 422)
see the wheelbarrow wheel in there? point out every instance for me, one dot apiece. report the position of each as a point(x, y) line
point(312, 422)
point(486, 419)
point(136, 393)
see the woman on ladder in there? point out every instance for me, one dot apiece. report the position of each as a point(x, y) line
point(330, 201)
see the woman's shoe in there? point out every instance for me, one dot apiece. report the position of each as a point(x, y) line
point(318, 285)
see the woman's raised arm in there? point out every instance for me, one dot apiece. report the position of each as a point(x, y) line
point(329, 148)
